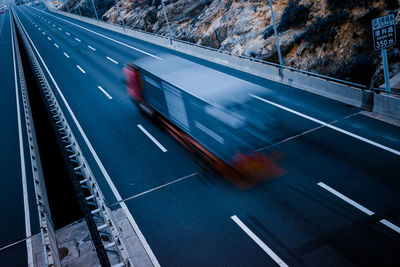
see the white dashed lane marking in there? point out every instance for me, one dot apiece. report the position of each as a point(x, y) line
point(358, 206)
point(79, 67)
point(160, 146)
point(104, 92)
point(65, 54)
point(259, 242)
point(112, 60)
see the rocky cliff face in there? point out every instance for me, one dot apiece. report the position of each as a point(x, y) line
point(331, 37)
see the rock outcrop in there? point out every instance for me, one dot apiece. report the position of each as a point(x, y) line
point(331, 37)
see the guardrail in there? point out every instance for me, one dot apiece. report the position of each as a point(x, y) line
point(49, 248)
point(104, 231)
point(344, 91)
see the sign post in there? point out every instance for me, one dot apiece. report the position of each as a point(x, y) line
point(277, 41)
point(384, 33)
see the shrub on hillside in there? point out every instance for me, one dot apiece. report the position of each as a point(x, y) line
point(323, 30)
point(268, 32)
point(348, 4)
point(358, 70)
point(293, 15)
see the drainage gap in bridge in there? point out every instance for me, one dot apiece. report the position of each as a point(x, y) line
point(64, 206)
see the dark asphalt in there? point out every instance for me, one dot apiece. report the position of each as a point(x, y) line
point(188, 223)
point(12, 223)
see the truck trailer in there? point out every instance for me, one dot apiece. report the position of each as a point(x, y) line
point(200, 107)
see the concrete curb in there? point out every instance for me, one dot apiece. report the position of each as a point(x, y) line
point(323, 87)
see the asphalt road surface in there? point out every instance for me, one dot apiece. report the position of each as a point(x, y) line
point(17, 200)
point(338, 203)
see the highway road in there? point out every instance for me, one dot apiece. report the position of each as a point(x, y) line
point(19, 218)
point(338, 203)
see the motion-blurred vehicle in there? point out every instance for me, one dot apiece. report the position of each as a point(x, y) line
point(196, 105)
point(1, 11)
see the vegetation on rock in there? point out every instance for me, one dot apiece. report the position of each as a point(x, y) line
point(331, 37)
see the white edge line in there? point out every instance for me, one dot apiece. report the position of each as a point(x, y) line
point(329, 125)
point(348, 200)
point(79, 67)
point(160, 146)
point(104, 92)
point(99, 163)
point(259, 242)
point(28, 232)
point(391, 225)
point(104, 36)
point(112, 60)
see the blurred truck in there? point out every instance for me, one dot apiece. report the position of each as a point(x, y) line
point(198, 106)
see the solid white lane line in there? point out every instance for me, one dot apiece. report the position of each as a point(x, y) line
point(49, 38)
point(67, 33)
point(396, 152)
point(77, 39)
point(348, 200)
point(112, 60)
point(79, 67)
point(59, 29)
point(391, 225)
point(65, 54)
point(103, 170)
point(104, 92)
point(92, 48)
point(28, 231)
point(259, 242)
point(109, 38)
point(160, 146)
point(56, 45)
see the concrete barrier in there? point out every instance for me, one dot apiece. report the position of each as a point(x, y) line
point(320, 86)
point(388, 105)
point(343, 93)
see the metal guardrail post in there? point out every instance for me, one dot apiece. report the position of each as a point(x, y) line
point(277, 40)
point(166, 18)
point(386, 70)
point(79, 9)
point(95, 11)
